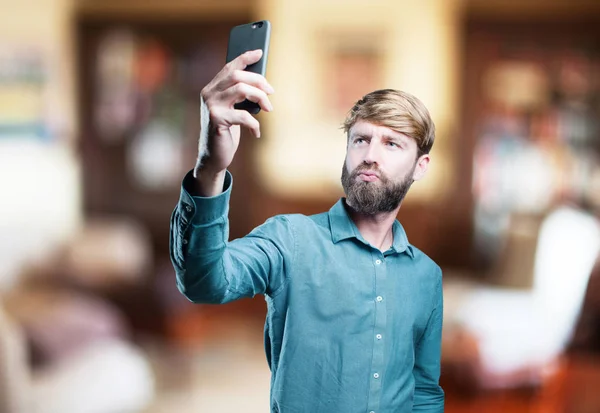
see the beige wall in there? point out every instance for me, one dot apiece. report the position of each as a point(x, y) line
point(303, 148)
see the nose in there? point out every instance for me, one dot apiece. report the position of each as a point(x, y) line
point(372, 153)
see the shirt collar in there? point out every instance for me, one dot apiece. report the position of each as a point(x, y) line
point(342, 227)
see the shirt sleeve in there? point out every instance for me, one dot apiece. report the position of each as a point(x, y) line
point(429, 396)
point(211, 269)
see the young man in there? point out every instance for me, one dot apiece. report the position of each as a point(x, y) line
point(354, 311)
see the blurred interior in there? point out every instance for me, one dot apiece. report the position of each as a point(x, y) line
point(99, 116)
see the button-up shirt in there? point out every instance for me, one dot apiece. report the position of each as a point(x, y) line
point(349, 328)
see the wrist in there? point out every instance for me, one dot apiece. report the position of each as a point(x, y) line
point(209, 182)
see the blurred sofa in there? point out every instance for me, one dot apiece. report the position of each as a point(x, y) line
point(512, 336)
point(64, 347)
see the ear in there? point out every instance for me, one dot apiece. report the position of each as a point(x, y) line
point(421, 167)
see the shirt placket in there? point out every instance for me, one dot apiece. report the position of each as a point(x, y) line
point(377, 364)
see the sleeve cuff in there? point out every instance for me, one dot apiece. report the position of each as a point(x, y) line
point(203, 210)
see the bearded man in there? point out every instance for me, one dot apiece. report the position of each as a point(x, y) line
point(354, 317)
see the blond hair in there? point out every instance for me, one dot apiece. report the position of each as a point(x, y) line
point(397, 110)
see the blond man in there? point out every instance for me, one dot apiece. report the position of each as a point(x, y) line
point(354, 315)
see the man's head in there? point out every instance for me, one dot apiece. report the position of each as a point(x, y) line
point(390, 134)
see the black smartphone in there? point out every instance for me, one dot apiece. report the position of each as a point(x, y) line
point(250, 36)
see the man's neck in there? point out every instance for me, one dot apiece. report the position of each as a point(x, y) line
point(376, 229)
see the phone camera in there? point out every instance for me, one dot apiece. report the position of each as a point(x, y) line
point(257, 25)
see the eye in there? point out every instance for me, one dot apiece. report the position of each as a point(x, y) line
point(393, 144)
point(358, 141)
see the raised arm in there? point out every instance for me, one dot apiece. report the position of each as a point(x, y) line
point(212, 270)
point(209, 268)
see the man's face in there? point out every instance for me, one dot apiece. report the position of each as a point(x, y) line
point(380, 167)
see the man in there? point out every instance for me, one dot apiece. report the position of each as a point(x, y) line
point(354, 311)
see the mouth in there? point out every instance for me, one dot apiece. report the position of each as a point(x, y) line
point(368, 176)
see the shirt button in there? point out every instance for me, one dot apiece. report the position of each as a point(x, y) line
point(378, 336)
point(188, 208)
point(376, 375)
point(371, 411)
point(184, 241)
point(378, 262)
point(379, 298)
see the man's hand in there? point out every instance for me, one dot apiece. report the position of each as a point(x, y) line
point(230, 86)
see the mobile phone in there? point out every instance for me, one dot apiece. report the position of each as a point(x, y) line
point(250, 36)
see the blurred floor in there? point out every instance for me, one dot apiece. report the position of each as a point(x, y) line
point(225, 372)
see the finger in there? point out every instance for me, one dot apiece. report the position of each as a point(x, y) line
point(245, 59)
point(249, 121)
point(250, 78)
point(241, 91)
point(233, 117)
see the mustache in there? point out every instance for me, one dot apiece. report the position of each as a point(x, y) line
point(366, 168)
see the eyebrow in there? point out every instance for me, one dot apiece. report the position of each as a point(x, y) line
point(400, 139)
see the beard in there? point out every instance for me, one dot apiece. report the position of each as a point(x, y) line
point(370, 198)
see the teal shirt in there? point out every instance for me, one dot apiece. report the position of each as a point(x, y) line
point(349, 328)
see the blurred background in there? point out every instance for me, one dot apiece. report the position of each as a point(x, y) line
point(99, 116)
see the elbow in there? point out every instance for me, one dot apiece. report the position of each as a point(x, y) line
point(199, 292)
point(439, 396)
point(429, 399)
